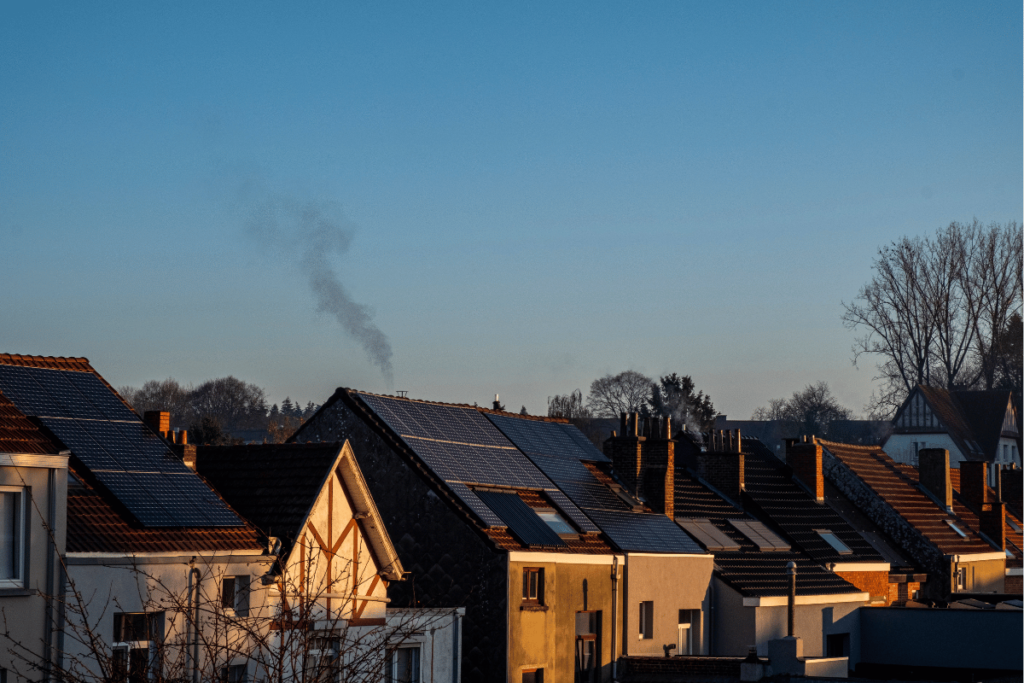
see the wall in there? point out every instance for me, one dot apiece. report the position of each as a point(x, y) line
point(973, 639)
point(450, 564)
point(812, 624)
point(986, 576)
point(672, 583)
point(875, 584)
point(24, 610)
point(900, 447)
point(545, 636)
point(733, 626)
point(437, 634)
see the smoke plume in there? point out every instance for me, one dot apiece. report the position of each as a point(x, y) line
point(309, 235)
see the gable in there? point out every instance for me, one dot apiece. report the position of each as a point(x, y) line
point(916, 414)
point(1010, 420)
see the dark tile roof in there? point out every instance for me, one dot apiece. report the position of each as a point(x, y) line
point(750, 571)
point(18, 434)
point(94, 525)
point(273, 486)
point(897, 486)
point(1014, 539)
point(984, 412)
point(769, 483)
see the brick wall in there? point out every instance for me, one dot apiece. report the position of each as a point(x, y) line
point(805, 459)
point(875, 584)
point(659, 475)
point(724, 471)
point(933, 469)
point(1014, 584)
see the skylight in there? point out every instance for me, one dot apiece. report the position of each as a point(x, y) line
point(955, 528)
point(1013, 525)
point(555, 521)
point(834, 541)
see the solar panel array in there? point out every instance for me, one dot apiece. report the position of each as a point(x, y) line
point(122, 452)
point(557, 450)
point(521, 520)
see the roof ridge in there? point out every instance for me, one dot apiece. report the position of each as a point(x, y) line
point(482, 409)
point(63, 362)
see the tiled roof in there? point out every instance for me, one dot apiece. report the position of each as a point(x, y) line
point(770, 485)
point(749, 570)
point(19, 435)
point(897, 486)
point(588, 543)
point(273, 486)
point(94, 526)
point(1014, 539)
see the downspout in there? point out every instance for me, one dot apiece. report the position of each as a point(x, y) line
point(193, 580)
point(51, 589)
point(615, 597)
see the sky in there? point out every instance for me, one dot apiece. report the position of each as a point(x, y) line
point(512, 198)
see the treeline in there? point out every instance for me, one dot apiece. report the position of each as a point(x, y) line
point(216, 408)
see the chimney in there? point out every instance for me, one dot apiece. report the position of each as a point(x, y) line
point(974, 484)
point(497, 403)
point(992, 521)
point(721, 465)
point(159, 421)
point(188, 456)
point(933, 475)
point(805, 459)
point(626, 453)
point(1011, 484)
point(658, 451)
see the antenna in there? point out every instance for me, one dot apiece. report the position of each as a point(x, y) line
point(402, 394)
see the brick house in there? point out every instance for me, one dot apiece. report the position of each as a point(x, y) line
point(961, 551)
point(518, 519)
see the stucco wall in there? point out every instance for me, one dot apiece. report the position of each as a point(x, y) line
point(900, 447)
point(812, 624)
point(545, 637)
point(733, 626)
point(672, 584)
point(23, 610)
point(986, 576)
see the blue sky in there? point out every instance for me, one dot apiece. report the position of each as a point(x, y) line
point(537, 194)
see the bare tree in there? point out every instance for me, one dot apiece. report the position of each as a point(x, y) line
point(935, 309)
point(626, 392)
point(811, 411)
point(167, 395)
point(569, 406)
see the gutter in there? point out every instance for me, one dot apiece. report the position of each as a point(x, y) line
point(51, 589)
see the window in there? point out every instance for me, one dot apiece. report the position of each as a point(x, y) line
point(404, 666)
point(688, 620)
point(234, 594)
point(136, 645)
point(323, 661)
point(961, 578)
point(757, 533)
point(646, 620)
point(837, 645)
point(533, 585)
point(12, 537)
point(235, 673)
point(955, 528)
point(588, 647)
point(556, 522)
point(1013, 524)
point(834, 541)
point(533, 675)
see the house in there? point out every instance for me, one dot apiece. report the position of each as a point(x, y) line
point(971, 425)
point(335, 559)
point(33, 482)
point(517, 518)
point(744, 505)
point(962, 550)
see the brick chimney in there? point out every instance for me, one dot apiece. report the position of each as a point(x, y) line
point(933, 475)
point(992, 521)
point(721, 465)
point(159, 421)
point(626, 453)
point(659, 458)
point(974, 484)
point(805, 459)
point(1011, 484)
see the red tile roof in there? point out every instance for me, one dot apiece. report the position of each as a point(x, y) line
point(897, 485)
point(19, 435)
point(94, 526)
point(1014, 539)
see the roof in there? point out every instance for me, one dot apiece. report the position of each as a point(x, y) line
point(973, 419)
point(769, 483)
point(460, 449)
point(19, 435)
point(111, 447)
point(95, 526)
point(1014, 539)
point(897, 485)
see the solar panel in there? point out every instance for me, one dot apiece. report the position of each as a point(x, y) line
point(475, 504)
point(765, 540)
point(546, 438)
point(572, 512)
point(639, 532)
point(122, 453)
point(710, 536)
point(585, 444)
point(522, 521)
point(435, 421)
point(578, 483)
point(479, 464)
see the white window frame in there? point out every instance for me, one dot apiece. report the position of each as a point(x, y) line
point(391, 675)
point(645, 620)
point(151, 646)
point(242, 595)
point(20, 530)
